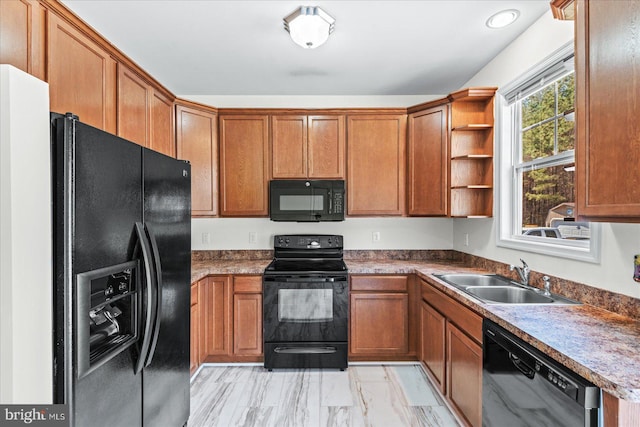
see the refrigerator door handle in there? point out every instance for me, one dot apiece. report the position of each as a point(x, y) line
point(151, 296)
point(158, 285)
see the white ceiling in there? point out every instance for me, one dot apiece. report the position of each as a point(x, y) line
point(215, 47)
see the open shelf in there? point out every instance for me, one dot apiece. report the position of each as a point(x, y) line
point(471, 153)
point(473, 127)
point(472, 156)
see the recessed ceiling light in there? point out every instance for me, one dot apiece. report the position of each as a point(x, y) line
point(503, 18)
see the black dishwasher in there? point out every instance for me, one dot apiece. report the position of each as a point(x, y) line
point(523, 387)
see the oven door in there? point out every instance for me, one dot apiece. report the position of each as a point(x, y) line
point(310, 308)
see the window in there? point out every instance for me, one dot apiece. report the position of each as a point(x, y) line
point(536, 164)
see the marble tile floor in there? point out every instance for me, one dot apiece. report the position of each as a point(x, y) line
point(363, 395)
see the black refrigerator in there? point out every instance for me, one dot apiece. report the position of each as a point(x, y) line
point(122, 267)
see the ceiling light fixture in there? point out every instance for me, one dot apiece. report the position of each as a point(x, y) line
point(503, 18)
point(309, 26)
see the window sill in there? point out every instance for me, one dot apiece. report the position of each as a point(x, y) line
point(575, 250)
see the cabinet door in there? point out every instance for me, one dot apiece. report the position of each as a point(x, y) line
point(247, 324)
point(428, 159)
point(326, 139)
point(195, 331)
point(289, 146)
point(376, 165)
point(464, 375)
point(607, 111)
point(162, 136)
point(22, 36)
point(81, 76)
point(134, 95)
point(196, 142)
point(214, 299)
point(244, 165)
point(379, 323)
point(433, 351)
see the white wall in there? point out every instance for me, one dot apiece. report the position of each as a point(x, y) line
point(26, 342)
point(395, 233)
point(619, 241)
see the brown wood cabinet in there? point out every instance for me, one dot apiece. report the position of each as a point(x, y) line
point(244, 165)
point(230, 318)
point(452, 351)
point(307, 146)
point(471, 152)
point(22, 36)
point(145, 115)
point(380, 318)
point(214, 301)
point(134, 96)
point(376, 162)
point(196, 138)
point(194, 348)
point(81, 76)
point(428, 162)
point(607, 111)
point(247, 316)
point(464, 376)
point(433, 349)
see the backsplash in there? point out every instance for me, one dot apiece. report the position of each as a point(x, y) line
point(607, 300)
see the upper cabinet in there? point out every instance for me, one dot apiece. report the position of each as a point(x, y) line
point(81, 76)
point(244, 165)
point(22, 36)
point(607, 111)
point(471, 152)
point(197, 141)
point(376, 164)
point(428, 162)
point(307, 146)
point(563, 9)
point(145, 114)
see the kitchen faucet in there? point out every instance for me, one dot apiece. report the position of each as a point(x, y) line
point(523, 272)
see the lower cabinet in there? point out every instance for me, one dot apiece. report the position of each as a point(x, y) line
point(227, 320)
point(194, 359)
point(432, 348)
point(451, 351)
point(247, 317)
point(379, 321)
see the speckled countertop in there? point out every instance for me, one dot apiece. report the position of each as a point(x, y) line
point(601, 346)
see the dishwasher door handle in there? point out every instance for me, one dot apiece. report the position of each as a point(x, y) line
point(521, 366)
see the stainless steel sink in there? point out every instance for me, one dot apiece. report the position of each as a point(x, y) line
point(496, 289)
point(463, 281)
point(508, 295)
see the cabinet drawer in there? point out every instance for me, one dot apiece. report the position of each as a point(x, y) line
point(194, 294)
point(463, 317)
point(379, 283)
point(247, 284)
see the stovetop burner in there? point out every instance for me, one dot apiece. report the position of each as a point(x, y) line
point(306, 265)
point(307, 253)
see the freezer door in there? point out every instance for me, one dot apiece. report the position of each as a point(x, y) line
point(167, 216)
point(97, 201)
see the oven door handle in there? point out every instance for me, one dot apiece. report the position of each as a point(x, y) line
point(305, 350)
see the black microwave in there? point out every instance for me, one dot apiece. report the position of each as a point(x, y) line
point(306, 200)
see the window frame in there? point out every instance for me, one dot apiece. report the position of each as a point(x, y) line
point(509, 181)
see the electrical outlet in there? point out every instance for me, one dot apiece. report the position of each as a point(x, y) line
point(375, 236)
point(253, 237)
point(206, 238)
point(466, 239)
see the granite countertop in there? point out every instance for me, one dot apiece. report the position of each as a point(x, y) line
point(599, 345)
